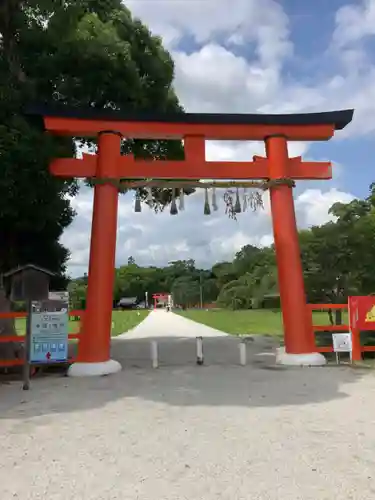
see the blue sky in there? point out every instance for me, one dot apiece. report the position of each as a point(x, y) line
point(311, 29)
point(312, 25)
point(254, 56)
point(356, 157)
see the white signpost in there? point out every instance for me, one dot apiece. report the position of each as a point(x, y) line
point(342, 342)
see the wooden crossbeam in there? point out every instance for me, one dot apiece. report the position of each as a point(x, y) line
point(80, 127)
point(192, 168)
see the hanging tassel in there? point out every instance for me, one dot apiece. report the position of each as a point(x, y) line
point(214, 202)
point(244, 206)
point(181, 204)
point(149, 198)
point(207, 210)
point(237, 205)
point(174, 210)
point(137, 206)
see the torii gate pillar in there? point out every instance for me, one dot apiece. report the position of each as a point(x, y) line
point(298, 334)
point(94, 355)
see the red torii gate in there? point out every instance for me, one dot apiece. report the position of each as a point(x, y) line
point(157, 296)
point(109, 127)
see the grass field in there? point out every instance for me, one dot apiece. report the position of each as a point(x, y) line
point(249, 322)
point(122, 322)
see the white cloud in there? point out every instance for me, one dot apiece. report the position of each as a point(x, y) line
point(313, 205)
point(263, 23)
point(215, 78)
point(155, 239)
point(222, 81)
point(354, 22)
point(245, 150)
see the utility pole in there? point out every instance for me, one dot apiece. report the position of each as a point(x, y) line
point(201, 289)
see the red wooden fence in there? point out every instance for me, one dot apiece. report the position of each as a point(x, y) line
point(311, 307)
point(4, 363)
point(327, 328)
point(356, 340)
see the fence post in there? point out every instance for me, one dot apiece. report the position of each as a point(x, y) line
point(354, 330)
point(200, 358)
point(242, 347)
point(356, 345)
point(154, 354)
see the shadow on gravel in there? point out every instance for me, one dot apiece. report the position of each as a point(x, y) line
point(180, 382)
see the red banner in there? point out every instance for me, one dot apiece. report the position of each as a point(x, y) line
point(362, 313)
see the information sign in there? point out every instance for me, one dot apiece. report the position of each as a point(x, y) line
point(49, 333)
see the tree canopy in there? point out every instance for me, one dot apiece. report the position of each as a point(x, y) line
point(89, 53)
point(83, 53)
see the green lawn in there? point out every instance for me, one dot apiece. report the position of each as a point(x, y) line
point(249, 322)
point(122, 321)
point(126, 320)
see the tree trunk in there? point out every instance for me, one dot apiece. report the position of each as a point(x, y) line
point(330, 315)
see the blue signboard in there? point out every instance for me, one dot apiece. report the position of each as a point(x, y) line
point(49, 337)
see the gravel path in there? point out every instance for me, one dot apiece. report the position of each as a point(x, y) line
point(219, 431)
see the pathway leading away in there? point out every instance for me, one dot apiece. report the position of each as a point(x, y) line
point(160, 323)
point(182, 432)
point(176, 339)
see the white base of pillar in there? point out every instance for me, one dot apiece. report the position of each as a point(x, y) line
point(306, 359)
point(94, 369)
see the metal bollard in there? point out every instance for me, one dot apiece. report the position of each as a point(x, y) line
point(242, 347)
point(154, 354)
point(200, 358)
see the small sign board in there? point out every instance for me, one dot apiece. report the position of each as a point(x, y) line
point(64, 296)
point(342, 342)
point(49, 331)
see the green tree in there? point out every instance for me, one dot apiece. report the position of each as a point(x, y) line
point(249, 279)
point(186, 292)
point(209, 289)
point(77, 294)
point(246, 259)
point(88, 53)
point(357, 219)
point(235, 295)
point(131, 261)
point(223, 272)
point(338, 256)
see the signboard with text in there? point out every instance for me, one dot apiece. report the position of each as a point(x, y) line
point(49, 330)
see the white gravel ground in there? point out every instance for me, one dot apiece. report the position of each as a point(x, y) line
point(220, 431)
